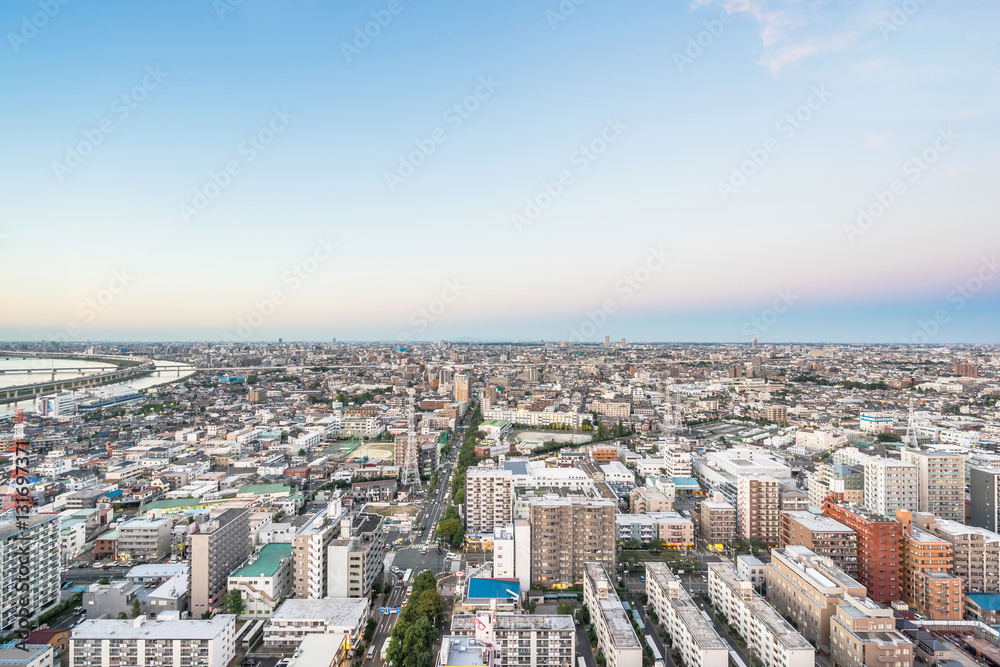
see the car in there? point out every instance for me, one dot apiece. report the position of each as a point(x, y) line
point(84, 565)
point(642, 577)
point(249, 662)
point(284, 662)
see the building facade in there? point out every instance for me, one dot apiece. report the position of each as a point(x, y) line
point(878, 548)
point(219, 546)
point(565, 534)
point(693, 636)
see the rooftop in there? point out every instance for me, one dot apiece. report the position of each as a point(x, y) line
point(143, 628)
point(339, 612)
point(268, 561)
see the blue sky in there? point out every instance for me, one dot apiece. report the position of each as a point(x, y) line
point(740, 140)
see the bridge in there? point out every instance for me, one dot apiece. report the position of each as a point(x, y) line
point(141, 366)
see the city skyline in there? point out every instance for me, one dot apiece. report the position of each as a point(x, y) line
point(561, 171)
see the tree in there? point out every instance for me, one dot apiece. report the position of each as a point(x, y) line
point(232, 602)
point(446, 528)
point(564, 609)
point(424, 581)
point(431, 605)
point(458, 538)
point(122, 615)
point(136, 608)
point(302, 452)
point(532, 605)
point(369, 632)
point(103, 581)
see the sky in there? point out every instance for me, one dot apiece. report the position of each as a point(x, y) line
point(517, 170)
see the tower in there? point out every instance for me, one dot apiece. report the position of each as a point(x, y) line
point(410, 473)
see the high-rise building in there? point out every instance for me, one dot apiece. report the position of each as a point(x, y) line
point(975, 553)
point(967, 370)
point(311, 546)
point(524, 640)
point(607, 341)
point(926, 580)
point(805, 588)
point(461, 387)
point(31, 543)
point(218, 547)
point(757, 508)
point(891, 485)
point(355, 558)
point(984, 493)
point(141, 641)
point(940, 483)
point(718, 521)
point(489, 501)
point(565, 534)
point(823, 536)
point(878, 548)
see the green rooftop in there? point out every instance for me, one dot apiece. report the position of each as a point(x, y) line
point(263, 488)
point(171, 504)
point(267, 563)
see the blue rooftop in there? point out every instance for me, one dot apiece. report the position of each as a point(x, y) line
point(685, 482)
point(114, 494)
point(493, 588)
point(988, 601)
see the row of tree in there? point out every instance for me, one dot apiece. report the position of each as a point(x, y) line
point(417, 628)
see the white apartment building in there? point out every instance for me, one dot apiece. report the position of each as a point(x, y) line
point(678, 462)
point(265, 581)
point(694, 636)
point(819, 439)
point(489, 501)
point(36, 545)
point(890, 485)
point(639, 527)
point(524, 640)
point(615, 635)
point(311, 555)
point(295, 619)
point(355, 558)
point(940, 483)
point(31, 655)
point(769, 637)
point(163, 642)
point(537, 418)
point(757, 508)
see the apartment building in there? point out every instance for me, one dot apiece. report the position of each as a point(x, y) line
point(28, 655)
point(926, 581)
point(146, 539)
point(565, 534)
point(461, 387)
point(265, 582)
point(311, 551)
point(615, 636)
point(678, 460)
point(940, 482)
point(823, 536)
point(613, 409)
point(757, 508)
point(165, 643)
point(32, 543)
point(819, 439)
point(984, 493)
point(649, 499)
point(693, 635)
point(878, 548)
point(891, 485)
point(638, 527)
point(675, 530)
point(863, 634)
point(218, 547)
point(769, 637)
point(489, 500)
point(296, 619)
point(806, 588)
point(776, 413)
point(718, 521)
point(975, 553)
point(846, 482)
point(355, 558)
point(523, 640)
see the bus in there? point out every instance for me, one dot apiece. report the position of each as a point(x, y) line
point(406, 577)
point(656, 651)
point(371, 652)
point(385, 648)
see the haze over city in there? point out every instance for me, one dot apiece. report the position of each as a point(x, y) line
point(698, 171)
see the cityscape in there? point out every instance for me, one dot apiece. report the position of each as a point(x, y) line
point(538, 333)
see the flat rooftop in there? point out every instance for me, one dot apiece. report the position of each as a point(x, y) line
point(143, 628)
point(687, 611)
point(461, 652)
point(818, 523)
point(518, 623)
point(268, 561)
point(341, 612)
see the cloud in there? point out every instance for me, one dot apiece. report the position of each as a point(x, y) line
point(791, 30)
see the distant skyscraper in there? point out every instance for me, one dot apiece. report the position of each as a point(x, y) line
point(462, 388)
point(753, 343)
point(607, 341)
point(623, 342)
